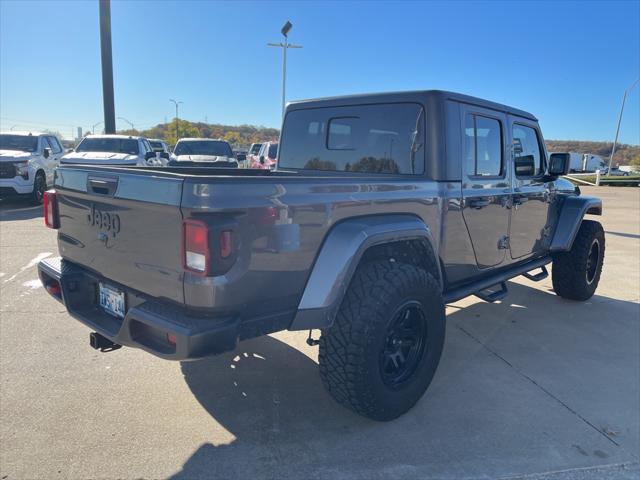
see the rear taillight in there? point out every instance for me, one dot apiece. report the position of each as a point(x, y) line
point(196, 254)
point(226, 244)
point(50, 205)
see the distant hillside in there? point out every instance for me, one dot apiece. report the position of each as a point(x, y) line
point(623, 156)
point(245, 135)
point(236, 135)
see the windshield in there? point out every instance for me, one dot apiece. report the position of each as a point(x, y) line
point(21, 143)
point(255, 148)
point(203, 147)
point(114, 145)
point(157, 146)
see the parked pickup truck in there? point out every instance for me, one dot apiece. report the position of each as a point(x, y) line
point(383, 209)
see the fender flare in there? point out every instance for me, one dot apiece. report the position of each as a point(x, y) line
point(573, 210)
point(339, 257)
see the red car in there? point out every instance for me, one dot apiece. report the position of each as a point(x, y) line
point(266, 158)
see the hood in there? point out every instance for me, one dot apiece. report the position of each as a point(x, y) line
point(101, 158)
point(14, 156)
point(203, 158)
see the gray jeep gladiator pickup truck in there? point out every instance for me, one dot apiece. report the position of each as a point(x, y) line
point(383, 208)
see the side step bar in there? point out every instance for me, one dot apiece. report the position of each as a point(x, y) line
point(493, 296)
point(497, 278)
point(541, 275)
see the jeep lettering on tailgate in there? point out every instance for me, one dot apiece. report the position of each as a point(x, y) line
point(105, 221)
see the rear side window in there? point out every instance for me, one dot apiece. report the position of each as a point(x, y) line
point(483, 139)
point(383, 138)
point(525, 143)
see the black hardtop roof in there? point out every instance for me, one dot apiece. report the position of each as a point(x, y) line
point(411, 96)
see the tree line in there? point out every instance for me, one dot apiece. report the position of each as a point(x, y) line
point(625, 154)
point(237, 135)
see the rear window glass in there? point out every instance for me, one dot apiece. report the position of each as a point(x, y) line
point(203, 147)
point(113, 145)
point(383, 138)
point(157, 146)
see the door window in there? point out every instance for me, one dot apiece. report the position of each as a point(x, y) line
point(55, 145)
point(45, 143)
point(483, 140)
point(526, 144)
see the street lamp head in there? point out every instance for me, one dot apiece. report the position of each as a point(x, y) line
point(285, 29)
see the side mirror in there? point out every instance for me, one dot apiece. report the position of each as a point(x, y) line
point(46, 153)
point(559, 164)
point(262, 159)
point(149, 155)
point(525, 166)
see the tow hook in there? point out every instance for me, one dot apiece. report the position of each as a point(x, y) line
point(101, 343)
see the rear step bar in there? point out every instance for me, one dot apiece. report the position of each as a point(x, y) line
point(498, 278)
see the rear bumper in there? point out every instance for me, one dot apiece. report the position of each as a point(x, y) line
point(147, 321)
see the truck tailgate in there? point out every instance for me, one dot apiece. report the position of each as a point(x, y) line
point(106, 226)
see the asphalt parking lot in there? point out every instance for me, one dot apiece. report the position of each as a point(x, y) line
point(533, 387)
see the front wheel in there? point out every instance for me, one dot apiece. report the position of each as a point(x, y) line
point(381, 353)
point(576, 273)
point(39, 187)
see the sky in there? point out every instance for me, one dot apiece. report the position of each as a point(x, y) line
point(568, 63)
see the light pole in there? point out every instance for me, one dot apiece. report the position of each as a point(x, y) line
point(93, 127)
point(107, 67)
point(284, 46)
point(176, 104)
point(122, 118)
point(615, 142)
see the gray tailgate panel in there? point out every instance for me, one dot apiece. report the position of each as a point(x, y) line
point(142, 249)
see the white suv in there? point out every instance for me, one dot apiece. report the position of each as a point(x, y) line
point(113, 150)
point(27, 163)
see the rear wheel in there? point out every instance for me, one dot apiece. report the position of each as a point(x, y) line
point(382, 351)
point(576, 273)
point(39, 187)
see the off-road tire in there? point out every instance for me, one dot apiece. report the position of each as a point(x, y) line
point(39, 187)
point(351, 350)
point(574, 276)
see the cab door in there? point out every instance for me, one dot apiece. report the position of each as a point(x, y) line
point(54, 159)
point(46, 159)
point(486, 185)
point(529, 232)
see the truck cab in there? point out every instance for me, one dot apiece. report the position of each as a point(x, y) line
point(27, 163)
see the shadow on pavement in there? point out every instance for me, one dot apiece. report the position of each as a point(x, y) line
point(270, 397)
point(623, 234)
point(18, 209)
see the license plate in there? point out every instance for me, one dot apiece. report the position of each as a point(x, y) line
point(112, 300)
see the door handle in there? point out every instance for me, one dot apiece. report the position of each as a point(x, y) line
point(102, 186)
point(479, 203)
